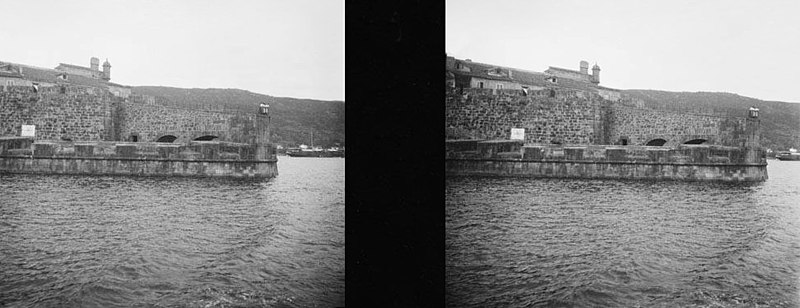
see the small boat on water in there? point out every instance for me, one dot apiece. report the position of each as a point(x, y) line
point(788, 155)
point(312, 151)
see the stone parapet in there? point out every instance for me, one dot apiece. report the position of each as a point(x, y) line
point(195, 150)
point(606, 170)
point(199, 158)
point(679, 155)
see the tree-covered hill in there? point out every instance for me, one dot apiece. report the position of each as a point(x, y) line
point(293, 119)
point(780, 121)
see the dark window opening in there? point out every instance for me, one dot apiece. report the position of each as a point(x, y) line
point(135, 138)
point(624, 141)
point(63, 90)
point(206, 138)
point(695, 141)
point(552, 93)
point(480, 84)
point(167, 138)
point(656, 142)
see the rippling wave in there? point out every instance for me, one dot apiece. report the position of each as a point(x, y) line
point(105, 241)
point(601, 243)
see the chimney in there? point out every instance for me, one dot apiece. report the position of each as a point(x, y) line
point(584, 67)
point(94, 64)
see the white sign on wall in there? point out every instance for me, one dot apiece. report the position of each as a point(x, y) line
point(28, 131)
point(517, 134)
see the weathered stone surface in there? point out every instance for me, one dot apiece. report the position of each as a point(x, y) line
point(574, 117)
point(143, 167)
point(533, 153)
point(83, 116)
point(150, 121)
point(607, 170)
point(145, 159)
point(76, 116)
point(683, 154)
point(568, 118)
point(126, 150)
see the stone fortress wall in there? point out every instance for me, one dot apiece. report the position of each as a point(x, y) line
point(570, 117)
point(641, 125)
point(573, 117)
point(151, 120)
point(82, 115)
point(78, 116)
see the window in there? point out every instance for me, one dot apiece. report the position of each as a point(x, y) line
point(10, 82)
point(480, 84)
point(499, 87)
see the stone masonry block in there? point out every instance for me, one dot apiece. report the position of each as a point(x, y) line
point(574, 153)
point(126, 150)
point(45, 149)
point(659, 155)
point(533, 153)
point(168, 151)
point(84, 150)
point(617, 154)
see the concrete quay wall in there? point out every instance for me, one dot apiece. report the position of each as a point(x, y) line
point(684, 162)
point(198, 158)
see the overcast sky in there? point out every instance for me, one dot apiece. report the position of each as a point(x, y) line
point(280, 48)
point(751, 48)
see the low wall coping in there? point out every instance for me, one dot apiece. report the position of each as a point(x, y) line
point(499, 159)
point(15, 138)
point(501, 141)
point(141, 159)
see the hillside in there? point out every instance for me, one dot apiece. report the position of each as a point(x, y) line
point(780, 121)
point(293, 120)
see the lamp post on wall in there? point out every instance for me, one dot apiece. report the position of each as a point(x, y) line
point(755, 154)
point(264, 148)
point(753, 112)
point(263, 109)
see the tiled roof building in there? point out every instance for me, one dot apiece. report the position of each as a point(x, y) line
point(93, 71)
point(469, 74)
point(13, 74)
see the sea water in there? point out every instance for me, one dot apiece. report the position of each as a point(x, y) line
point(116, 241)
point(516, 242)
